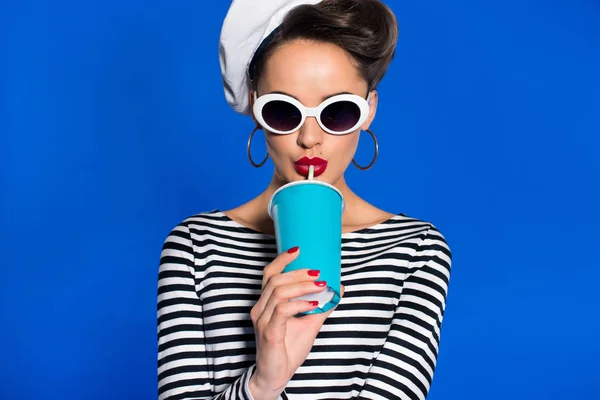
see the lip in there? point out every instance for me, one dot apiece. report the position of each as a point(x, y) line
point(303, 165)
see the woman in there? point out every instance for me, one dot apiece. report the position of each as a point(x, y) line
point(226, 327)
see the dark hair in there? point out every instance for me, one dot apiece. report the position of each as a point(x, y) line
point(366, 29)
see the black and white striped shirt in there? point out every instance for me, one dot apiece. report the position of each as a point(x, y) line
point(381, 342)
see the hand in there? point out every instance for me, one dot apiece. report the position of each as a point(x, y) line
point(282, 340)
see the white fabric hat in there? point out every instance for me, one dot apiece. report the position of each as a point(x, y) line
point(247, 24)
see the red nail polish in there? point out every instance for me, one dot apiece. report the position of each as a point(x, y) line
point(293, 250)
point(320, 283)
point(314, 272)
point(314, 303)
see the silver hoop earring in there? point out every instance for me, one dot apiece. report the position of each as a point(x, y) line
point(374, 157)
point(255, 165)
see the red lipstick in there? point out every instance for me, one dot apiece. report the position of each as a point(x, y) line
point(303, 165)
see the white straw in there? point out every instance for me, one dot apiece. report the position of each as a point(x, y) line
point(311, 172)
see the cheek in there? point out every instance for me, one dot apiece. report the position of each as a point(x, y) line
point(279, 146)
point(341, 148)
point(346, 145)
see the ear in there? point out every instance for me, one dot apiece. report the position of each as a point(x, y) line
point(373, 101)
point(251, 103)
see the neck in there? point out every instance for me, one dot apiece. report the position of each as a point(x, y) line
point(261, 203)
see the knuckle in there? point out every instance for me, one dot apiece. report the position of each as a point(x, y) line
point(269, 269)
point(270, 334)
point(266, 286)
point(254, 315)
point(266, 278)
point(272, 279)
point(300, 274)
point(278, 293)
point(261, 325)
point(269, 288)
point(278, 263)
point(281, 261)
point(280, 309)
point(277, 280)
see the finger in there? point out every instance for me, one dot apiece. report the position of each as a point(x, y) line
point(321, 317)
point(284, 293)
point(279, 263)
point(342, 291)
point(284, 311)
point(300, 275)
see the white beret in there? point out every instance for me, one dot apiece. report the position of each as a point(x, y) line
point(247, 24)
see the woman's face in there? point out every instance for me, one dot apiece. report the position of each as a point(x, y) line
point(312, 72)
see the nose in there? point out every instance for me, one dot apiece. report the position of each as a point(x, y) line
point(310, 134)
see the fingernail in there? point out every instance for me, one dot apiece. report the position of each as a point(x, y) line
point(314, 272)
point(320, 283)
point(293, 250)
point(314, 303)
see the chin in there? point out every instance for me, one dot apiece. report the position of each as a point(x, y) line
point(320, 178)
point(293, 176)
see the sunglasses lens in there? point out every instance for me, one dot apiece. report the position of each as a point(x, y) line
point(340, 116)
point(281, 115)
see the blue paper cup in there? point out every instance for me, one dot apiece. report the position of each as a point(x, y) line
point(308, 214)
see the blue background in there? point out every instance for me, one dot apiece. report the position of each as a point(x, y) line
point(114, 128)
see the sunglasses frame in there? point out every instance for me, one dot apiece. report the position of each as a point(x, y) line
point(260, 102)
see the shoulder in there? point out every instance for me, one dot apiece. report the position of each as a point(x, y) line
point(213, 233)
point(203, 222)
point(178, 266)
point(181, 239)
point(428, 242)
point(432, 251)
point(207, 219)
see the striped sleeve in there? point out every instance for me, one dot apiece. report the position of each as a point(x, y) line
point(184, 367)
point(405, 365)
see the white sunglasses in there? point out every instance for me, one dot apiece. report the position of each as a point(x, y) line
point(283, 114)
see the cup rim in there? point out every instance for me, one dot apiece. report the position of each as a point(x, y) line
point(305, 182)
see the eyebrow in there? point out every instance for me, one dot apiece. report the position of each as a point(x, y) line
point(335, 94)
point(322, 99)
